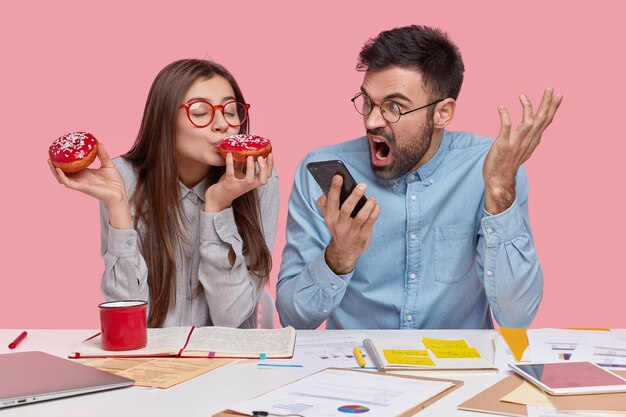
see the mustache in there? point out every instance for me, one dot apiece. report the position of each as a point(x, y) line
point(381, 132)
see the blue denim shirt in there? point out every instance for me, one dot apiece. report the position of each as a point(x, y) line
point(437, 259)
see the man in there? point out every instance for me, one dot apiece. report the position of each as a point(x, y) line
point(444, 239)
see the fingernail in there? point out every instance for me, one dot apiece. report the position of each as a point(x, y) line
point(549, 90)
point(361, 187)
point(523, 96)
point(501, 107)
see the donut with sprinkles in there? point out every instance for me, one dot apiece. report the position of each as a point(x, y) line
point(244, 145)
point(73, 151)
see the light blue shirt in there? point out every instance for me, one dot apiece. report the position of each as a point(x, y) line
point(437, 259)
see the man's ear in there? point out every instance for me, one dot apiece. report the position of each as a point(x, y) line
point(444, 113)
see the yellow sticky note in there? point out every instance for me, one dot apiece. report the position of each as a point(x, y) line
point(405, 352)
point(444, 343)
point(410, 360)
point(456, 353)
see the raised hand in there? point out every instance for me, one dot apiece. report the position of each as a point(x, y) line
point(513, 147)
point(104, 183)
point(350, 236)
point(235, 182)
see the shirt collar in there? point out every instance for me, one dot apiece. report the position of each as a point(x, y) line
point(199, 190)
point(428, 169)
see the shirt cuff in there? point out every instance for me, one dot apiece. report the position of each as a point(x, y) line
point(218, 226)
point(504, 226)
point(324, 277)
point(122, 243)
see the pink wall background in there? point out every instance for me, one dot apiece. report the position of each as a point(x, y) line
point(68, 66)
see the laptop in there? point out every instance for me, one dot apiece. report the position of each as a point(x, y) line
point(27, 377)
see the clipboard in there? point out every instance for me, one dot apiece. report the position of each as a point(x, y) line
point(488, 401)
point(455, 385)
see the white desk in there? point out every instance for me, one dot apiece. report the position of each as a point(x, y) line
point(227, 385)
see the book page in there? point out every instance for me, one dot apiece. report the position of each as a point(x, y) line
point(166, 341)
point(226, 341)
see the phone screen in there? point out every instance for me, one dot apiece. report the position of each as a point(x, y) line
point(324, 171)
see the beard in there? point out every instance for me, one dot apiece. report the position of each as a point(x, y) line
point(404, 157)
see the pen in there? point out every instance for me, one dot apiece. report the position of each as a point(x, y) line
point(17, 340)
point(286, 365)
point(358, 355)
point(371, 350)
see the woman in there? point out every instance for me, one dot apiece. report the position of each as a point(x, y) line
point(181, 227)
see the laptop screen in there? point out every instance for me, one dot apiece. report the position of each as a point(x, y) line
point(37, 376)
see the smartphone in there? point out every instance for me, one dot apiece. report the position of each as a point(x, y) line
point(324, 171)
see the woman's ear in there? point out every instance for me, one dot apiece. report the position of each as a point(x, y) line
point(444, 112)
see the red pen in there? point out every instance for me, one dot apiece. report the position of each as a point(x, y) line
point(17, 340)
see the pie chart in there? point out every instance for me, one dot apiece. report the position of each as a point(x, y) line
point(353, 409)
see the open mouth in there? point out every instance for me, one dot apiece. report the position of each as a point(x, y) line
point(380, 149)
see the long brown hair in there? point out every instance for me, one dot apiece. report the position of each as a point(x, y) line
point(157, 195)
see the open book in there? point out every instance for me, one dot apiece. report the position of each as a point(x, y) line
point(202, 342)
point(427, 353)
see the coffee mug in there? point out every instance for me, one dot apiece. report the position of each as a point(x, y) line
point(123, 325)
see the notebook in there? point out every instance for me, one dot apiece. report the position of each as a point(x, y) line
point(202, 342)
point(28, 377)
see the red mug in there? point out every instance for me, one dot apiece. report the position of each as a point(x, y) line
point(123, 325)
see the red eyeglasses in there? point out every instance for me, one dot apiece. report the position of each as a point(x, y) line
point(201, 113)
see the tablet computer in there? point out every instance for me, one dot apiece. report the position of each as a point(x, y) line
point(570, 378)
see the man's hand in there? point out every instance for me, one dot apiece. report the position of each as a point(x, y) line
point(350, 236)
point(512, 148)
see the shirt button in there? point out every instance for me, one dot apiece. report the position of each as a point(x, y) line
point(413, 197)
point(489, 230)
point(334, 286)
point(409, 317)
point(430, 181)
point(395, 186)
point(413, 236)
point(489, 273)
point(324, 311)
point(411, 177)
point(130, 243)
point(412, 276)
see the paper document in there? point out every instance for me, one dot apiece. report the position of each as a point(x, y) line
point(336, 392)
point(546, 345)
point(503, 355)
point(549, 411)
point(607, 349)
point(607, 353)
point(313, 352)
point(157, 372)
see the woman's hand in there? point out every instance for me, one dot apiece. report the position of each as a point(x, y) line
point(105, 184)
point(235, 183)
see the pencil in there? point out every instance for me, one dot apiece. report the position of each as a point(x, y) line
point(358, 355)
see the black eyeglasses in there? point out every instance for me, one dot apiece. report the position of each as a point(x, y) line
point(390, 110)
